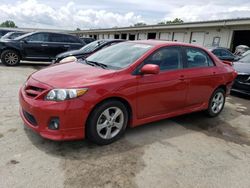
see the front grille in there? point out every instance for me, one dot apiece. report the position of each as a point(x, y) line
point(33, 91)
point(243, 78)
point(30, 118)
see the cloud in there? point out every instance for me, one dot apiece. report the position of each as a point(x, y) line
point(31, 13)
point(87, 14)
point(210, 11)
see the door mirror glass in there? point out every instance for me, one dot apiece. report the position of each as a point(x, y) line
point(150, 69)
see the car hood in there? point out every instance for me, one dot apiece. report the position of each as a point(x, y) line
point(70, 75)
point(242, 67)
point(70, 53)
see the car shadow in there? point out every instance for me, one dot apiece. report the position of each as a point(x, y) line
point(240, 95)
point(138, 137)
point(31, 64)
point(134, 138)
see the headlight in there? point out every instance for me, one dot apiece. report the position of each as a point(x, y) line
point(64, 94)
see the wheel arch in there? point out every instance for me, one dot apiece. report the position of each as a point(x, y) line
point(14, 49)
point(120, 99)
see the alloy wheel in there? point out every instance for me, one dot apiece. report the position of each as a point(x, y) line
point(11, 58)
point(217, 102)
point(110, 123)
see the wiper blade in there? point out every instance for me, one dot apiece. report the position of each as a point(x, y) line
point(93, 63)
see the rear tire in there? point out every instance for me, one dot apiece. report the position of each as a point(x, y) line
point(107, 123)
point(10, 58)
point(216, 103)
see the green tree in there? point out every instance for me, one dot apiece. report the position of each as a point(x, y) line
point(78, 29)
point(8, 23)
point(139, 24)
point(175, 21)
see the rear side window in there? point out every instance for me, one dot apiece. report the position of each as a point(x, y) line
point(63, 38)
point(71, 39)
point(168, 58)
point(56, 38)
point(197, 58)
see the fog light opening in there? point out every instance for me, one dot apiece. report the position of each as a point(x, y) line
point(54, 124)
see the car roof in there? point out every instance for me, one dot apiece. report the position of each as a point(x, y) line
point(111, 40)
point(218, 48)
point(164, 43)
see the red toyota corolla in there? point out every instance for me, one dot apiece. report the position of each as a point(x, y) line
point(129, 84)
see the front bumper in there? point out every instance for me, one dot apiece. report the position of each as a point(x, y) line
point(37, 113)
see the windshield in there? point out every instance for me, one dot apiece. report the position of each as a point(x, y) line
point(92, 46)
point(245, 59)
point(120, 55)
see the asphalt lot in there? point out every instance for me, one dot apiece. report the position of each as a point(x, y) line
point(187, 151)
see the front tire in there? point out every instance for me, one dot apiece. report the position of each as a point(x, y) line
point(216, 103)
point(10, 58)
point(107, 123)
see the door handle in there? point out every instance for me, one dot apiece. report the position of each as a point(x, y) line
point(44, 45)
point(66, 46)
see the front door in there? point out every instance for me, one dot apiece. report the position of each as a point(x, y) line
point(34, 46)
point(164, 92)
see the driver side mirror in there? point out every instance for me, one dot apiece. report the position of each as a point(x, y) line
point(150, 69)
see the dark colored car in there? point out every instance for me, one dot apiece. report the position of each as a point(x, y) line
point(13, 35)
point(223, 54)
point(242, 81)
point(88, 49)
point(87, 40)
point(37, 46)
point(128, 84)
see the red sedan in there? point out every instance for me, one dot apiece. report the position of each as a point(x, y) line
point(129, 84)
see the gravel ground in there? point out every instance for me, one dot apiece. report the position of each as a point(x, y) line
point(187, 151)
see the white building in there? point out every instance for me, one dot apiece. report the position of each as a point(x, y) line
point(223, 33)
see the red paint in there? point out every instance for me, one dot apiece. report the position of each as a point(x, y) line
point(151, 96)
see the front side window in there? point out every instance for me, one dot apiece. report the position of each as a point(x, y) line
point(168, 58)
point(38, 37)
point(121, 55)
point(197, 58)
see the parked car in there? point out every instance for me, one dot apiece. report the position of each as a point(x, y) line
point(128, 84)
point(37, 46)
point(13, 35)
point(88, 49)
point(224, 54)
point(242, 81)
point(239, 50)
point(87, 40)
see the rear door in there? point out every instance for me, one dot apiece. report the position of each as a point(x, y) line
point(57, 45)
point(201, 74)
point(61, 43)
point(164, 92)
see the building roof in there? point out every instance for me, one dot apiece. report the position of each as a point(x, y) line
point(200, 24)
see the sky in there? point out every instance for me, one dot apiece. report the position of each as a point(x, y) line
point(88, 14)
